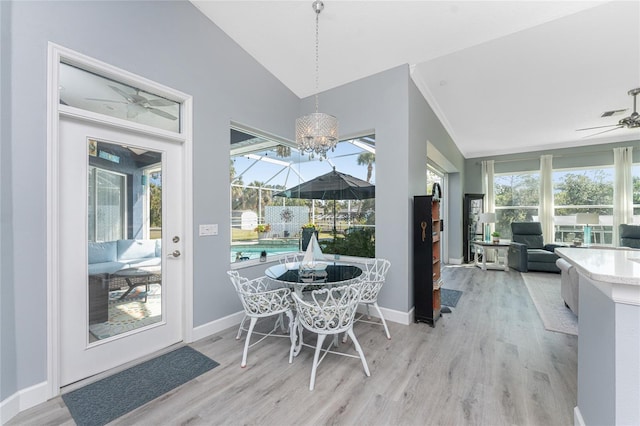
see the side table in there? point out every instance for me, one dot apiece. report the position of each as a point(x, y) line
point(501, 261)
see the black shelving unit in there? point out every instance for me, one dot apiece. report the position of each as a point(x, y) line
point(427, 281)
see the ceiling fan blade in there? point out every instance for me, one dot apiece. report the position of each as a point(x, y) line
point(163, 114)
point(106, 100)
point(121, 93)
point(161, 102)
point(597, 127)
point(604, 131)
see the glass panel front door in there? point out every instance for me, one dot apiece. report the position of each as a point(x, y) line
point(124, 256)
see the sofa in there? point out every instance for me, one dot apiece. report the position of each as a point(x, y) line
point(630, 236)
point(568, 284)
point(107, 258)
point(527, 252)
point(111, 256)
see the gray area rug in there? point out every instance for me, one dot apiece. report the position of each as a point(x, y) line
point(449, 297)
point(544, 289)
point(107, 399)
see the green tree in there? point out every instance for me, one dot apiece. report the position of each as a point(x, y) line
point(367, 159)
point(155, 205)
point(515, 191)
point(583, 189)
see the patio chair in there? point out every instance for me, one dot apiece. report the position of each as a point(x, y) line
point(259, 301)
point(292, 257)
point(328, 311)
point(373, 279)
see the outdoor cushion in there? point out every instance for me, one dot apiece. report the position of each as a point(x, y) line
point(136, 249)
point(105, 267)
point(102, 252)
point(139, 263)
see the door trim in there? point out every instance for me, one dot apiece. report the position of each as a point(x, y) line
point(55, 54)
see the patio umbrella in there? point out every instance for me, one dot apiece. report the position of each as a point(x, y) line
point(331, 186)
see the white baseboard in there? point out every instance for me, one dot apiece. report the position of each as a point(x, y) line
point(213, 327)
point(577, 417)
point(22, 400)
point(217, 326)
point(455, 261)
point(392, 315)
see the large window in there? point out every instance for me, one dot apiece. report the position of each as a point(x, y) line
point(635, 172)
point(517, 197)
point(583, 191)
point(262, 167)
point(107, 205)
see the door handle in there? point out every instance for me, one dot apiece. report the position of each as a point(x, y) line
point(175, 253)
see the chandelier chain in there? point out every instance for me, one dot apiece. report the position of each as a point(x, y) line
point(317, 56)
point(317, 133)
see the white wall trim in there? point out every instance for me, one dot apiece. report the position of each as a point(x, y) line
point(55, 54)
point(217, 326)
point(392, 315)
point(455, 261)
point(23, 400)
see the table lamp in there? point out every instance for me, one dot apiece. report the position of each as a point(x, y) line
point(586, 219)
point(487, 219)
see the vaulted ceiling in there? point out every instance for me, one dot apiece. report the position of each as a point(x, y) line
point(502, 76)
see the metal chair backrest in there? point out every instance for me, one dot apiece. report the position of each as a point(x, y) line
point(291, 258)
point(329, 310)
point(256, 296)
point(373, 278)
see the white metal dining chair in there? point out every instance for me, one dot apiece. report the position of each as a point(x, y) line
point(328, 311)
point(260, 301)
point(373, 278)
point(291, 258)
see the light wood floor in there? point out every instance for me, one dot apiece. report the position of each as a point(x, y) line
point(489, 362)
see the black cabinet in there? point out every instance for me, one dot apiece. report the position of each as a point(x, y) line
point(427, 281)
point(473, 206)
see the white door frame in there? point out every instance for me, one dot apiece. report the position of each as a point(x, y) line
point(54, 109)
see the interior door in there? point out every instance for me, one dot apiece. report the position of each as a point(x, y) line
point(120, 246)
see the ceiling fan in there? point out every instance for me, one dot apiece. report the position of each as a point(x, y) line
point(630, 122)
point(137, 103)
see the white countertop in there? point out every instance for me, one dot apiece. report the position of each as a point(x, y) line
point(615, 272)
point(614, 266)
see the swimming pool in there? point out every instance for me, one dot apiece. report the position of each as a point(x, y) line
point(252, 251)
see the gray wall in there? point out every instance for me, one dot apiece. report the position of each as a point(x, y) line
point(379, 103)
point(195, 57)
point(424, 126)
point(587, 156)
point(169, 42)
point(8, 377)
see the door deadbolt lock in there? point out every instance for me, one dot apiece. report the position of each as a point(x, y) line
point(176, 239)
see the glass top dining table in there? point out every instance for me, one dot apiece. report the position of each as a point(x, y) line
point(334, 273)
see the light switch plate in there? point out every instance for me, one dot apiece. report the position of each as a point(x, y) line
point(208, 229)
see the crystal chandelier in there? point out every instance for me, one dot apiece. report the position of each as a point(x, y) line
point(317, 132)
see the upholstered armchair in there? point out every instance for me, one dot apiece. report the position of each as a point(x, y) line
point(630, 236)
point(527, 252)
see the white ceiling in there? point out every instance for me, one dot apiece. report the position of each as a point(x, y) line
point(502, 76)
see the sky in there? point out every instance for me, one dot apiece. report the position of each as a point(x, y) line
point(344, 159)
